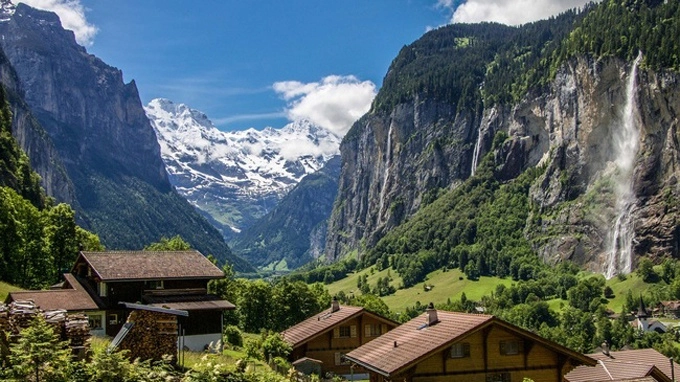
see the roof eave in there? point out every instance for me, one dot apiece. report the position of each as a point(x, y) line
point(368, 367)
point(161, 278)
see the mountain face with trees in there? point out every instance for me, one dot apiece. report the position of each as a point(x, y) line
point(99, 152)
point(489, 145)
point(294, 232)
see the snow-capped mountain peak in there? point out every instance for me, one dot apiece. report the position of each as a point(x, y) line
point(235, 177)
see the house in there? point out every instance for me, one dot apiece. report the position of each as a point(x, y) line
point(641, 364)
point(100, 281)
point(644, 323)
point(670, 309)
point(447, 346)
point(323, 339)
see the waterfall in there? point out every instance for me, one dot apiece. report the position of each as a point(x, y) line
point(626, 142)
point(475, 153)
point(388, 157)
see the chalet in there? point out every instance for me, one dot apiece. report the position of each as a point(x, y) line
point(641, 364)
point(320, 342)
point(100, 281)
point(670, 309)
point(447, 346)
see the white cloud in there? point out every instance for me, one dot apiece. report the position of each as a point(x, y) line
point(334, 103)
point(72, 16)
point(511, 12)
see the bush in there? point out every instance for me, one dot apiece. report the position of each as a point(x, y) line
point(275, 346)
point(232, 334)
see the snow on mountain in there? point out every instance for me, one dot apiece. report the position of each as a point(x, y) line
point(235, 177)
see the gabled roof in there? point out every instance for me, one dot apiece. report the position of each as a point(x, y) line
point(323, 322)
point(150, 265)
point(416, 341)
point(623, 365)
point(73, 297)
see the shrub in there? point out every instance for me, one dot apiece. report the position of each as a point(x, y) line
point(233, 335)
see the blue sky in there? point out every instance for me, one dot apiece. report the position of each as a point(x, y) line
point(262, 63)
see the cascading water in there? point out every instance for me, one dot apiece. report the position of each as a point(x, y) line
point(626, 142)
point(388, 157)
point(475, 153)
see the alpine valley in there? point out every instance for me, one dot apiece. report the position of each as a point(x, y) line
point(234, 178)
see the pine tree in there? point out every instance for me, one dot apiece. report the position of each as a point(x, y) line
point(39, 354)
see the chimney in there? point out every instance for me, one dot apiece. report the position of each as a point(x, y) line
point(335, 305)
point(431, 315)
point(605, 348)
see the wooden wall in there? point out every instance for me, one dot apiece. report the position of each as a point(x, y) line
point(329, 345)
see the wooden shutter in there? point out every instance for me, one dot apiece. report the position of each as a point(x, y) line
point(336, 332)
point(384, 329)
point(367, 330)
point(338, 360)
point(353, 331)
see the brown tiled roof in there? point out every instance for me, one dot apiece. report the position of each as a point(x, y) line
point(72, 298)
point(148, 265)
point(190, 302)
point(622, 365)
point(415, 341)
point(319, 324)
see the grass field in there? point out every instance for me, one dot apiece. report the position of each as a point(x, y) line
point(451, 284)
point(5, 289)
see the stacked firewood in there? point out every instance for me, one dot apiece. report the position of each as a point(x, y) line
point(153, 335)
point(21, 313)
point(70, 327)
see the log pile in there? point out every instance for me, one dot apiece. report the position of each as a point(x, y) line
point(70, 327)
point(153, 335)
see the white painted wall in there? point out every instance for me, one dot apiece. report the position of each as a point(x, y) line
point(200, 341)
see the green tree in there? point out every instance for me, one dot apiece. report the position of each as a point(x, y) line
point(61, 238)
point(40, 355)
point(176, 243)
point(275, 346)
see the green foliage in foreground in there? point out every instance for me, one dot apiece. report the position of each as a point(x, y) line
point(40, 356)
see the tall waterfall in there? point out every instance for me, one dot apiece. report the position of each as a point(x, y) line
point(475, 153)
point(626, 142)
point(388, 158)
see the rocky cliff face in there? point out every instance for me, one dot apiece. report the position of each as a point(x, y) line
point(393, 160)
point(34, 140)
point(102, 136)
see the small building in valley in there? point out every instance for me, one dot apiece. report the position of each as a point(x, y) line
point(446, 346)
point(100, 281)
point(324, 339)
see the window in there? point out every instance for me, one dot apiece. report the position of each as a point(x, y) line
point(460, 350)
point(113, 319)
point(102, 289)
point(345, 332)
point(95, 322)
point(510, 347)
point(154, 284)
point(373, 330)
point(498, 377)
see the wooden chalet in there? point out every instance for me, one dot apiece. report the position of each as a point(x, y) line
point(324, 338)
point(100, 281)
point(626, 365)
point(446, 346)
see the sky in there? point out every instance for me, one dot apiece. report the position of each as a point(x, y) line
point(248, 63)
